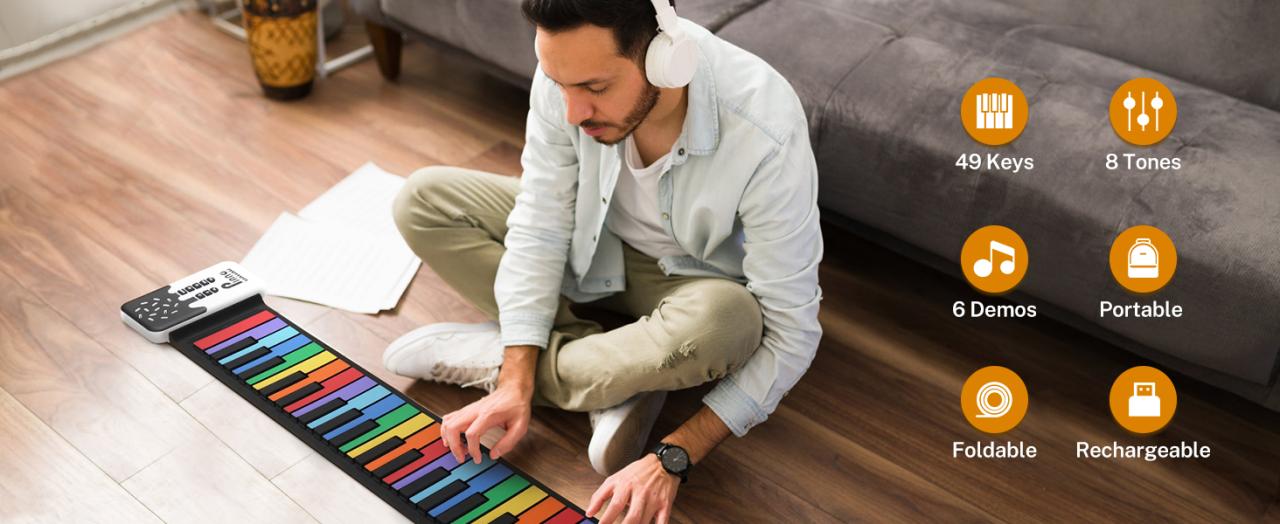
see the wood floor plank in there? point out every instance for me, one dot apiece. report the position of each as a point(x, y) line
point(258, 439)
point(503, 158)
point(44, 479)
point(732, 485)
point(331, 496)
point(204, 481)
point(84, 282)
point(818, 460)
point(1273, 514)
point(102, 406)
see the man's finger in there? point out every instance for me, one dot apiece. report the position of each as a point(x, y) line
point(636, 508)
point(664, 515)
point(452, 431)
point(597, 499)
point(651, 507)
point(478, 428)
point(616, 505)
point(444, 428)
point(515, 432)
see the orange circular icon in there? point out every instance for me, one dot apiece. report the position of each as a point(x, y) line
point(1143, 259)
point(1143, 400)
point(994, 259)
point(994, 111)
point(994, 399)
point(1143, 111)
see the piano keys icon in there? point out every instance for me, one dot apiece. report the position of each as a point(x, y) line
point(994, 111)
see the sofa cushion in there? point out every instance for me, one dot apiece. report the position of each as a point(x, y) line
point(1231, 46)
point(496, 31)
point(814, 62)
point(493, 30)
point(714, 14)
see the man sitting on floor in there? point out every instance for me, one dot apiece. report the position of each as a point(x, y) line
point(668, 176)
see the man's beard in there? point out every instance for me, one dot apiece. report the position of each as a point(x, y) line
point(639, 112)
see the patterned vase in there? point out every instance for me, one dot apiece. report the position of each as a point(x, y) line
point(282, 44)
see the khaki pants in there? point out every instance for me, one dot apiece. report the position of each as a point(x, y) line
point(690, 329)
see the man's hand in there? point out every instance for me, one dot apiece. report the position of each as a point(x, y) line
point(509, 407)
point(643, 488)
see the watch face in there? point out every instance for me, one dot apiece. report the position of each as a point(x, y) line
point(675, 459)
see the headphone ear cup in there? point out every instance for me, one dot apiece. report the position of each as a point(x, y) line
point(670, 62)
point(655, 60)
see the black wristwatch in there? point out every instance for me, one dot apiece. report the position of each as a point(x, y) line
point(674, 459)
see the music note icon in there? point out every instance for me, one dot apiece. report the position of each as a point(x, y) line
point(983, 266)
point(994, 259)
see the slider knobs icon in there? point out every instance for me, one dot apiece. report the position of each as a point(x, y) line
point(1143, 119)
point(1143, 111)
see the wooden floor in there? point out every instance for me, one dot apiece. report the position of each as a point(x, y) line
point(155, 155)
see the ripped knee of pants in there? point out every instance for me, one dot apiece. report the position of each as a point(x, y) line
point(686, 351)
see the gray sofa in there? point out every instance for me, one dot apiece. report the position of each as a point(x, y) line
point(882, 83)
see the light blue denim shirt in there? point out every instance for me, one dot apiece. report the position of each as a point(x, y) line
point(740, 198)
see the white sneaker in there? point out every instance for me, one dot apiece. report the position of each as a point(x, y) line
point(464, 354)
point(619, 433)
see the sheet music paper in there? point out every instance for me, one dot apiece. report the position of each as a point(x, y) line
point(362, 200)
point(342, 250)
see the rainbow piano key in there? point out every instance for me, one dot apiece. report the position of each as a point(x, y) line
point(380, 437)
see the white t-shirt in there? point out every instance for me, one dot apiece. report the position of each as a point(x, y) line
point(634, 215)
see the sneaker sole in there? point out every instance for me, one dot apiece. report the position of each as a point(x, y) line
point(608, 455)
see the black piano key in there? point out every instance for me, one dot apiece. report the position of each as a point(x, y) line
point(248, 357)
point(379, 450)
point(300, 394)
point(441, 496)
point(232, 349)
point(285, 382)
point(505, 518)
point(351, 434)
point(321, 410)
point(424, 482)
point(396, 463)
point(270, 363)
point(338, 421)
point(463, 507)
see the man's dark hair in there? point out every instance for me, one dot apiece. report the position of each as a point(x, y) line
point(632, 21)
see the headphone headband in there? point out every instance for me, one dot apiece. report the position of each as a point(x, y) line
point(666, 15)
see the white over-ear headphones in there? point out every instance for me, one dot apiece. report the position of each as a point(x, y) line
point(672, 56)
